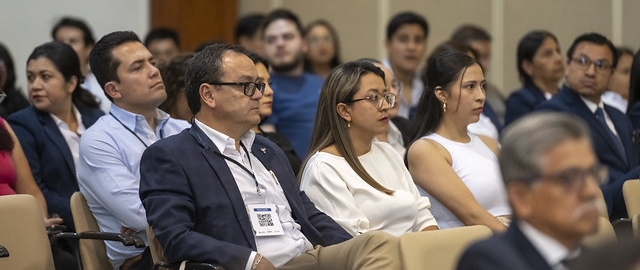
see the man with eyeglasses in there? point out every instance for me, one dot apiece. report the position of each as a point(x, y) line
point(552, 177)
point(590, 62)
point(218, 193)
point(110, 150)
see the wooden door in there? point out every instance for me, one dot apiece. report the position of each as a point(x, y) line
point(197, 21)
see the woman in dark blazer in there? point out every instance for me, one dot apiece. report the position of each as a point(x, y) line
point(49, 130)
point(541, 67)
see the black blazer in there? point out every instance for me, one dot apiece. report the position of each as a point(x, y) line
point(195, 207)
point(49, 156)
point(522, 102)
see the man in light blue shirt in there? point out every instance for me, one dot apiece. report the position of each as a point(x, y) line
point(110, 151)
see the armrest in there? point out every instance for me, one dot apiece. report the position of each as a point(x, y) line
point(3, 252)
point(623, 228)
point(188, 266)
point(125, 239)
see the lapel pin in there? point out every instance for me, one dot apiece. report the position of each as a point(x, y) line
point(264, 150)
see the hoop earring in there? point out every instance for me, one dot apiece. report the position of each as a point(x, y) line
point(444, 107)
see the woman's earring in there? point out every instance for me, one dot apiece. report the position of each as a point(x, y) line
point(444, 107)
point(348, 124)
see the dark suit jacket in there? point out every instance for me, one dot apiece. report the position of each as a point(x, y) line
point(195, 207)
point(619, 170)
point(489, 112)
point(49, 156)
point(404, 126)
point(523, 101)
point(510, 250)
point(634, 115)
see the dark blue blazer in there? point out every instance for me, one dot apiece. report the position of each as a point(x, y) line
point(620, 169)
point(489, 112)
point(634, 115)
point(195, 207)
point(523, 101)
point(49, 156)
point(510, 250)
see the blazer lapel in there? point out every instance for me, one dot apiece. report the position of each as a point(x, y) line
point(53, 132)
point(531, 255)
point(224, 175)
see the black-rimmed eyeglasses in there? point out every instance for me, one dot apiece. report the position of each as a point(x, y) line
point(585, 62)
point(378, 100)
point(574, 179)
point(248, 88)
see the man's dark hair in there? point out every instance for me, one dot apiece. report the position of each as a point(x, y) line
point(597, 39)
point(248, 25)
point(282, 14)
point(206, 67)
point(162, 33)
point(404, 18)
point(87, 35)
point(103, 64)
point(467, 33)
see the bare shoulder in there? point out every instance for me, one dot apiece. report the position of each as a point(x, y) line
point(425, 148)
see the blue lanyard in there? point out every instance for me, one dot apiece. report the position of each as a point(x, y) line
point(243, 167)
point(134, 134)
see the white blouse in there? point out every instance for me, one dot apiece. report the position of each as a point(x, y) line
point(338, 191)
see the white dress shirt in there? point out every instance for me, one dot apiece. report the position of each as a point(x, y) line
point(72, 138)
point(550, 249)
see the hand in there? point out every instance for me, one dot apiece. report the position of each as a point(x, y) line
point(52, 221)
point(125, 230)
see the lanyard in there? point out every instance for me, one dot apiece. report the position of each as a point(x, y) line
point(243, 167)
point(134, 134)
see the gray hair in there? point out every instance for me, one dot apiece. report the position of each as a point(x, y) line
point(525, 141)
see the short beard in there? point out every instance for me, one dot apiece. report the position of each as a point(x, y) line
point(287, 67)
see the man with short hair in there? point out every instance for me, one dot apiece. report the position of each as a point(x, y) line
point(296, 92)
point(552, 177)
point(248, 33)
point(406, 44)
point(163, 43)
point(218, 193)
point(110, 150)
point(590, 63)
point(76, 33)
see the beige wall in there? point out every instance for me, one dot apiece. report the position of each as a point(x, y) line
point(361, 23)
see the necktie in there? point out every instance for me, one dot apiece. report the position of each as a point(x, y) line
point(616, 141)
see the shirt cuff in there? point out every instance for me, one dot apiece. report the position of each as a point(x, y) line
point(250, 261)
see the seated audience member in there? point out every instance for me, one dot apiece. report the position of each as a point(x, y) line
point(480, 41)
point(173, 77)
point(266, 103)
point(406, 44)
point(163, 43)
point(362, 185)
point(552, 175)
point(49, 131)
point(457, 170)
point(633, 110)
point(110, 151)
point(541, 68)
point(590, 63)
point(248, 33)
point(218, 193)
point(296, 92)
point(13, 98)
point(324, 48)
point(617, 93)
point(77, 34)
point(15, 178)
point(399, 127)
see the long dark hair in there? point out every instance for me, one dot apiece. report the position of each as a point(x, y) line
point(527, 48)
point(442, 70)
point(65, 59)
point(6, 141)
point(10, 80)
point(634, 84)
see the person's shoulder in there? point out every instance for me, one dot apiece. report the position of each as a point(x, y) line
point(22, 115)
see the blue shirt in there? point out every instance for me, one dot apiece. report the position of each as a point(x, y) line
point(295, 102)
point(109, 172)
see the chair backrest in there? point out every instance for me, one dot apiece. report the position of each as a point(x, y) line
point(631, 193)
point(23, 234)
point(157, 252)
point(605, 234)
point(635, 224)
point(92, 252)
point(602, 205)
point(438, 249)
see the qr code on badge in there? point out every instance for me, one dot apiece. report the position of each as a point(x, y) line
point(265, 220)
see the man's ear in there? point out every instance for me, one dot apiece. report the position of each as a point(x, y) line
point(521, 198)
point(207, 95)
point(111, 89)
point(344, 111)
point(441, 94)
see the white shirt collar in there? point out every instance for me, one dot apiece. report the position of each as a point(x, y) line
point(592, 105)
point(62, 124)
point(222, 141)
point(550, 249)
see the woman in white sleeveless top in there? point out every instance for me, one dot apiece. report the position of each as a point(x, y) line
point(362, 185)
point(456, 169)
